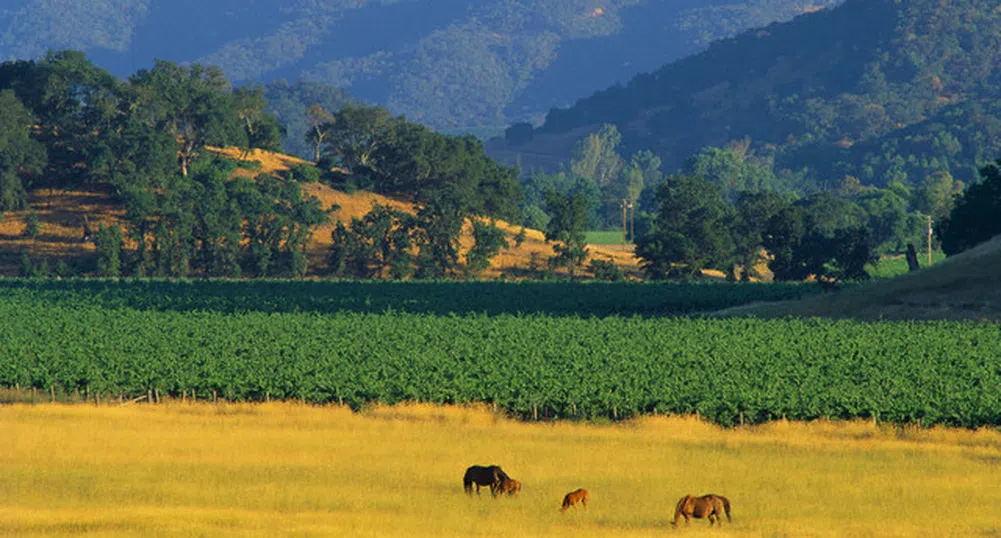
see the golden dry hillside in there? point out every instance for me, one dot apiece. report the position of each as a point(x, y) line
point(61, 220)
point(61, 217)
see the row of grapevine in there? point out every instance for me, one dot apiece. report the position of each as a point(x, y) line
point(558, 298)
point(616, 366)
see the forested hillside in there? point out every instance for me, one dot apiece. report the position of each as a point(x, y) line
point(151, 144)
point(446, 63)
point(875, 92)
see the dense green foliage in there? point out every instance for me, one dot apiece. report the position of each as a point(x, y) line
point(364, 343)
point(690, 230)
point(975, 217)
point(21, 156)
point(567, 229)
point(444, 62)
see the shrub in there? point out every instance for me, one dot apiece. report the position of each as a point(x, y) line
point(606, 270)
point(305, 173)
point(32, 225)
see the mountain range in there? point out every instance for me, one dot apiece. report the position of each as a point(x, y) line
point(452, 64)
point(876, 92)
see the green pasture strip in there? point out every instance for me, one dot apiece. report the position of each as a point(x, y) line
point(896, 266)
point(532, 365)
point(428, 297)
point(604, 238)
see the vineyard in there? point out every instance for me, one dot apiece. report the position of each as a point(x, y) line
point(557, 350)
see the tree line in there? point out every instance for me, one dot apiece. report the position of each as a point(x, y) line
point(727, 209)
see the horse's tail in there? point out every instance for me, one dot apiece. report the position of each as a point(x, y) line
point(679, 509)
point(726, 507)
point(467, 482)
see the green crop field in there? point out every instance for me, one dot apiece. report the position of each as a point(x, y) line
point(604, 238)
point(897, 265)
point(533, 353)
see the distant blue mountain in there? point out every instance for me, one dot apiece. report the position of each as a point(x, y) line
point(449, 63)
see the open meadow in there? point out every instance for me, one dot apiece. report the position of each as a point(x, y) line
point(286, 469)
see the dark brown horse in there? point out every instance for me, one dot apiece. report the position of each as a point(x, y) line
point(507, 485)
point(481, 475)
point(576, 496)
point(707, 506)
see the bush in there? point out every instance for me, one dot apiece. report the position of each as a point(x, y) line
point(305, 173)
point(30, 269)
point(63, 269)
point(249, 165)
point(606, 270)
point(109, 250)
point(535, 218)
point(32, 225)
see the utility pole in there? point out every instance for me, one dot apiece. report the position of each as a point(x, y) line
point(623, 204)
point(929, 240)
point(632, 223)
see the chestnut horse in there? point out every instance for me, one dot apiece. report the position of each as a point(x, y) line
point(707, 506)
point(576, 496)
point(480, 475)
point(507, 485)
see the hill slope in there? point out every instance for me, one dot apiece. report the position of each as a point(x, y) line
point(966, 286)
point(877, 89)
point(61, 216)
point(449, 63)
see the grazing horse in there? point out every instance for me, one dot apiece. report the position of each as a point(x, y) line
point(507, 485)
point(707, 506)
point(490, 475)
point(576, 496)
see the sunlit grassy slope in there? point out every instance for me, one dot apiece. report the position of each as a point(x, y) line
point(61, 216)
point(285, 469)
point(966, 286)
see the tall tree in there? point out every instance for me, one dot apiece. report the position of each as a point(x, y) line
point(937, 194)
point(190, 104)
point(567, 226)
point(321, 124)
point(974, 220)
point(690, 231)
point(356, 135)
point(753, 210)
point(596, 158)
point(262, 129)
point(733, 168)
point(488, 240)
point(21, 156)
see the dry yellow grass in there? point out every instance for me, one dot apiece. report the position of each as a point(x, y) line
point(271, 162)
point(60, 216)
point(291, 470)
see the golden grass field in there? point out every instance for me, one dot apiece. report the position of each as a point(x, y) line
point(283, 469)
